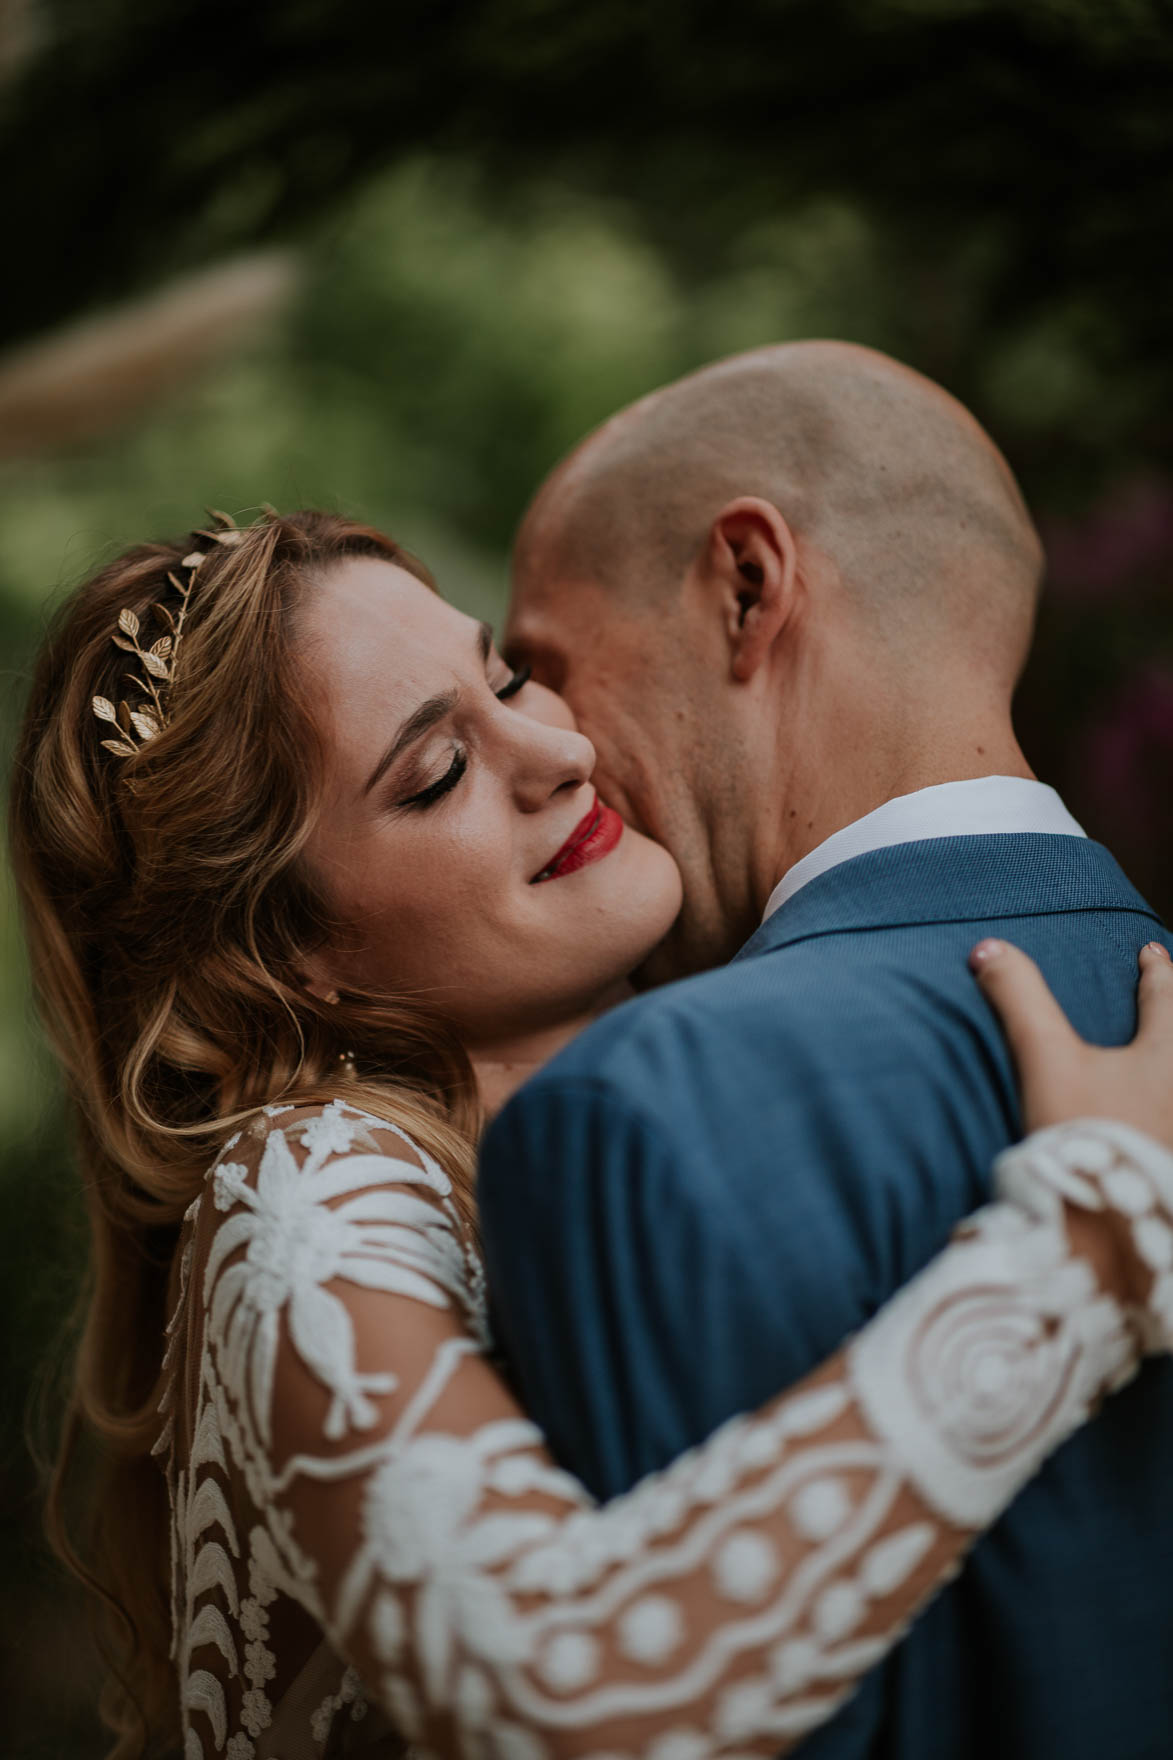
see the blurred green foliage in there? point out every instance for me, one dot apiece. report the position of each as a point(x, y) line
point(517, 216)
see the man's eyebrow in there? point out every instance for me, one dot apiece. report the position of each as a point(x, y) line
point(423, 719)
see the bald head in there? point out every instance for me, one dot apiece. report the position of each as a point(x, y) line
point(869, 463)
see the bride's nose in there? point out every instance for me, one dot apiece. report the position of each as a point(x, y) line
point(547, 758)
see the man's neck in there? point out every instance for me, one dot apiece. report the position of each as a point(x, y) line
point(834, 795)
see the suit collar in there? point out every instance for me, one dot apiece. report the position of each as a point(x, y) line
point(952, 880)
point(984, 806)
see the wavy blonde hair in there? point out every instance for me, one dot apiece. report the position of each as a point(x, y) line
point(169, 915)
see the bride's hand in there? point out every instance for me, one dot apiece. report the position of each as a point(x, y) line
point(1063, 1077)
point(1082, 1104)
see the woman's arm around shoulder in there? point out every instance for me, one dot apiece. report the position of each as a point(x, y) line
point(403, 1499)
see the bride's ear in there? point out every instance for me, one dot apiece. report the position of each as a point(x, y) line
point(750, 564)
point(317, 981)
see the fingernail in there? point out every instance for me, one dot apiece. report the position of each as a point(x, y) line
point(984, 952)
point(1155, 947)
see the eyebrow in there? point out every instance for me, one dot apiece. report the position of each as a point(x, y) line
point(423, 719)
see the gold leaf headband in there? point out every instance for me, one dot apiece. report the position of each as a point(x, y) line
point(137, 724)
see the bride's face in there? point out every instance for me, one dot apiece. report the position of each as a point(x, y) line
point(461, 838)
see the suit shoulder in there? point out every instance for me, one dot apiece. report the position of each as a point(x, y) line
point(804, 1094)
point(815, 1010)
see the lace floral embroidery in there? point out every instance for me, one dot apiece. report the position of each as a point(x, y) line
point(294, 1243)
point(724, 1606)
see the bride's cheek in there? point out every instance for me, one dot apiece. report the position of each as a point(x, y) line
point(465, 866)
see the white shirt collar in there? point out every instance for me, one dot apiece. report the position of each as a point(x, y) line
point(982, 807)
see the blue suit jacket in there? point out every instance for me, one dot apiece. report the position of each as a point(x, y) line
point(701, 1197)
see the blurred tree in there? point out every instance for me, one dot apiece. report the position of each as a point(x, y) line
point(1036, 140)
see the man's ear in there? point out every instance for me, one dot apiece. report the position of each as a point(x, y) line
point(751, 563)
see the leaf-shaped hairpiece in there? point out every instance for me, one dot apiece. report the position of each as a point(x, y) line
point(141, 722)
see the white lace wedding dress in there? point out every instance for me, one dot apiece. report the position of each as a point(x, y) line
point(370, 1545)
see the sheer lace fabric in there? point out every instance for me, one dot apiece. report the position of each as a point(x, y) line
point(369, 1538)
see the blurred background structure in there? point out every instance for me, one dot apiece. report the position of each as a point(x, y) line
point(397, 259)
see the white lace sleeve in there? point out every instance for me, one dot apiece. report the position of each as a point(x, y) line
point(346, 1461)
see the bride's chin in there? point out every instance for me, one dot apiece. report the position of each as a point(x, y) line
point(624, 939)
point(658, 901)
point(645, 924)
point(581, 958)
point(636, 937)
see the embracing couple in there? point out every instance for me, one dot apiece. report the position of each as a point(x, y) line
point(782, 1344)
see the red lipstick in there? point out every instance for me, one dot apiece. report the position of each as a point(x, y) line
point(595, 836)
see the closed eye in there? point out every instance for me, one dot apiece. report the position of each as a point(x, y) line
point(435, 790)
point(519, 680)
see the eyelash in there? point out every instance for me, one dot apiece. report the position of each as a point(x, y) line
point(427, 796)
point(520, 677)
point(436, 790)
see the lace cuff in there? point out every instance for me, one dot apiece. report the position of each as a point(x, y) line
point(981, 1366)
point(1102, 1165)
